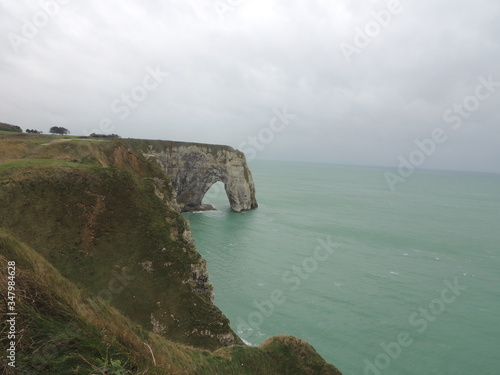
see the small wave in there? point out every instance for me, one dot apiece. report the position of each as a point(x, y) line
point(247, 342)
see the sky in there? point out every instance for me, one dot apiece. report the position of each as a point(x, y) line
point(382, 83)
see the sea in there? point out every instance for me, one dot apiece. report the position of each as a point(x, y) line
point(378, 281)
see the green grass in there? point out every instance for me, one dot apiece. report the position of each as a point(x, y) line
point(52, 316)
point(32, 163)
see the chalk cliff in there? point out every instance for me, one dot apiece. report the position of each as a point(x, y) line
point(193, 168)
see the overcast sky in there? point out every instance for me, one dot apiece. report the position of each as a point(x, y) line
point(353, 82)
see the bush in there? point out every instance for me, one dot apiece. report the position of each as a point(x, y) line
point(94, 135)
point(59, 130)
point(10, 128)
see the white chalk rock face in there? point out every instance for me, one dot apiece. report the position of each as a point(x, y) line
point(193, 168)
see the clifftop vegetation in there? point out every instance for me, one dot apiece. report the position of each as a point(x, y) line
point(10, 128)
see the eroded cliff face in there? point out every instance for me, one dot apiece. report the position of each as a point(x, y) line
point(193, 168)
point(106, 217)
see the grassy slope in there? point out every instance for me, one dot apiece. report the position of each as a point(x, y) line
point(99, 225)
point(94, 211)
point(66, 330)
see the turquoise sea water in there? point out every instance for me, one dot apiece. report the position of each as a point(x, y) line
point(379, 282)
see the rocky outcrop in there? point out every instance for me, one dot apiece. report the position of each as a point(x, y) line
point(193, 168)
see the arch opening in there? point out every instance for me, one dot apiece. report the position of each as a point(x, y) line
point(216, 197)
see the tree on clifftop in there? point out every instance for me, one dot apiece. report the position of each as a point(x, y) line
point(59, 130)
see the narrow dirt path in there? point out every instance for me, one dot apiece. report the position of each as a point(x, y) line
point(37, 148)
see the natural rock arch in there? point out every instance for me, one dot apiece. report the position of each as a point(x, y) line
point(194, 168)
